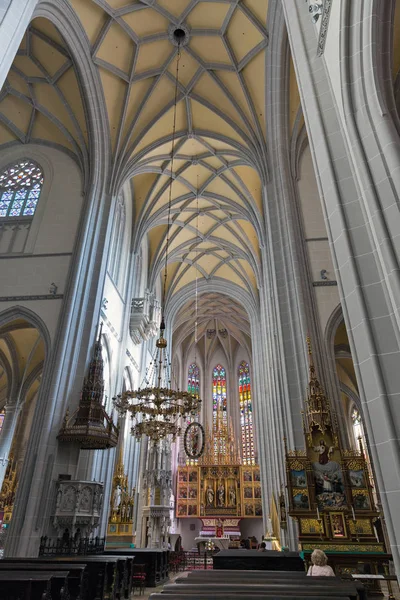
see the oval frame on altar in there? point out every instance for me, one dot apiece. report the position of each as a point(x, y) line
point(189, 454)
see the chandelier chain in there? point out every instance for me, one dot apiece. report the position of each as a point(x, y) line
point(170, 183)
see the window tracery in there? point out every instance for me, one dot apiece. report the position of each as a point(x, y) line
point(20, 188)
point(219, 396)
point(246, 413)
point(193, 379)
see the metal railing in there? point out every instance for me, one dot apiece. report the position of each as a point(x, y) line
point(70, 547)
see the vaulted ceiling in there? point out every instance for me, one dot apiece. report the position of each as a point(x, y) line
point(219, 167)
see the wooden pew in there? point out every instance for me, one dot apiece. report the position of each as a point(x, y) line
point(289, 588)
point(34, 585)
point(101, 572)
point(77, 583)
point(249, 595)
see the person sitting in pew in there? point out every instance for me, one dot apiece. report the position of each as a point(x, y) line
point(263, 547)
point(319, 567)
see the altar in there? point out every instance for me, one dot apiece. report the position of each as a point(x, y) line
point(222, 543)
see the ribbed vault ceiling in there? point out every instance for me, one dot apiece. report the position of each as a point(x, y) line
point(221, 323)
point(220, 158)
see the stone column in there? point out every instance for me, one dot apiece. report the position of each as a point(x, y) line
point(6, 437)
point(347, 101)
point(15, 16)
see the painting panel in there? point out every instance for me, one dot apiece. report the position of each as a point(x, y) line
point(338, 525)
point(329, 486)
point(192, 509)
point(361, 500)
point(248, 492)
point(247, 476)
point(249, 509)
point(183, 476)
point(300, 500)
point(298, 477)
point(357, 478)
point(182, 510)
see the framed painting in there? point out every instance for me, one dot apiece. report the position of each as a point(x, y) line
point(338, 525)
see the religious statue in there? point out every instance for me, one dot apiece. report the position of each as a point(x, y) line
point(221, 495)
point(210, 496)
point(117, 497)
point(219, 529)
point(232, 496)
point(324, 452)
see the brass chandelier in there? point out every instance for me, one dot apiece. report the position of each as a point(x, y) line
point(156, 408)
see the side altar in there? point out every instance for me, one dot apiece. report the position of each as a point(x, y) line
point(218, 485)
point(331, 492)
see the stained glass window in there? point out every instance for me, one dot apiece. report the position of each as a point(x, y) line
point(2, 415)
point(20, 187)
point(193, 379)
point(246, 414)
point(219, 396)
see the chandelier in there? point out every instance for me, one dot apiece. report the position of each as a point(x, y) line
point(156, 408)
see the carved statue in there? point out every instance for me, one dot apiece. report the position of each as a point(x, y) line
point(232, 496)
point(117, 497)
point(210, 496)
point(221, 495)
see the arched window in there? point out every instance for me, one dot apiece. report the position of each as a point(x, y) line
point(116, 265)
point(219, 396)
point(2, 416)
point(20, 187)
point(246, 413)
point(193, 379)
point(357, 425)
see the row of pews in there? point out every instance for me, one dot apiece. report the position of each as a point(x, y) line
point(97, 577)
point(249, 585)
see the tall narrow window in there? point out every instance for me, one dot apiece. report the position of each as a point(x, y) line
point(220, 416)
point(193, 379)
point(20, 187)
point(246, 414)
point(2, 416)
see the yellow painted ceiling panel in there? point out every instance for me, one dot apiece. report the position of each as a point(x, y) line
point(5, 134)
point(209, 262)
point(47, 96)
point(227, 273)
point(210, 49)
point(114, 91)
point(251, 234)
point(249, 272)
point(176, 7)
point(117, 48)
point(187, 68)
point(137, 94)
point(25, 64)
point(254, 74)
point(178, 189)
point(252, 182)
point(153, 55)
point(208, 89)
point(155, 236)
point(199, 17)
point(17, 111)
point(163, 127)
point(242, 35)
point(141, 185)
point(223, 189)
point(184, 235)
point(46, 27)
point(213, 161)
point(18, 83)
point(91, 16)
point(224, 234)
point(259, 8)
point(146, 22)
point(206, 119)
point(197, 175)
point(218, 144)
point(192, 147)
point(162, 94)
point(233, 84)
point(69, 86)
point(47, 55)
point(45, 129)
point(188, 277)
point(120, 3)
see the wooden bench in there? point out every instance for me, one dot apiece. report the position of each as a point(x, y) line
point(77, 583)
point(309, 588)
point(102, 573)
point(34, 585)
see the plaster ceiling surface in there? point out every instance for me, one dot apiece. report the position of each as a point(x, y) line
point(22, 355)
point(41, 100)
point(218, 163)
point(221, 322)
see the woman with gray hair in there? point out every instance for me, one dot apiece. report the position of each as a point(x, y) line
point(319, 567)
